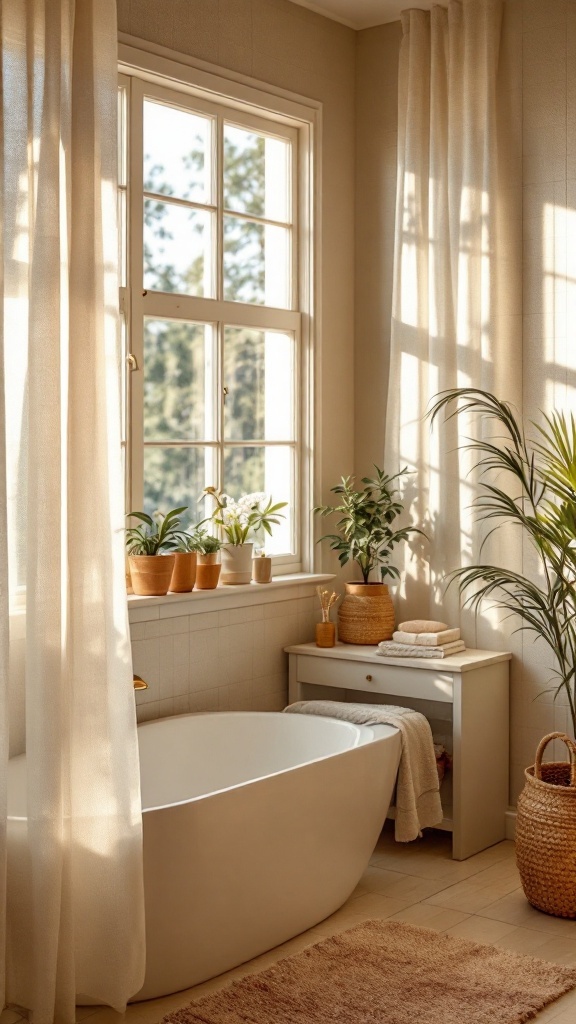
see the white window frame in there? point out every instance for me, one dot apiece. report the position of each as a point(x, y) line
point(146, 73)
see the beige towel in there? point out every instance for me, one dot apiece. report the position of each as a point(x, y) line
point(447, 636)
point(417, 798)
point(391, 649)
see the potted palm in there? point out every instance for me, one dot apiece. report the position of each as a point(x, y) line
point(543, 471)
point(150, 547)
point(238, 520)
point(208, 567)
point(366, 535)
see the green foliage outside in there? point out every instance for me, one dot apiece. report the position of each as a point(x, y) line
point(176, 351)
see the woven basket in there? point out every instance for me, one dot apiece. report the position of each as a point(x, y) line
point(546, 832)
point(366, 615)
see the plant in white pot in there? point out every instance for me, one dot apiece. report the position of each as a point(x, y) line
point(542, 503)
point(366, 535)
point(150, 547)
point(238, 521)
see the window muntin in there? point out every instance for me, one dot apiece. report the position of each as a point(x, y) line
point(213, 322)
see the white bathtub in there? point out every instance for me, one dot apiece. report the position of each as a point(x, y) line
point(256, 827)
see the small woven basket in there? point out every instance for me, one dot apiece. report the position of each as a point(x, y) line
point(546, 832)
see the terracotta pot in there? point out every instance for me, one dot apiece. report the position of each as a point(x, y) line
point(236, 564)
point(207, 571)
point(184, 573)
point(151, 574)
point(325, 634)
point(262, 569)
point(366, 615)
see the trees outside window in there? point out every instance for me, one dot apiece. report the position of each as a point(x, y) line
point(211, 301)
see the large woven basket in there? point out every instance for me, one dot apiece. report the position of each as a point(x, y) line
point(546, 832)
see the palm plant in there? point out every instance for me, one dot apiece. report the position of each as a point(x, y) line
point(543, 468)
point(365, 533)
point(155, 534)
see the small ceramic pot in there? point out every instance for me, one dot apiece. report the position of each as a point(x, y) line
point(151, 574)
point(236, 564)
point(184, 572)
point(207, 571)
point(262, 569)
point(325, 634)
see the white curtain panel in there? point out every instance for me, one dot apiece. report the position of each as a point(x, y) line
point(72, 919)
point(456, 299)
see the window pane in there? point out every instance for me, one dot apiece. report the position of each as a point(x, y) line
point(177, 249)
point(259, 375)
point(177, 476)
point(177, 150)
point(122, 135)
point(270, 470)
point(122, 239)
point(178, 381)
point(256, 263)
point(256, 174)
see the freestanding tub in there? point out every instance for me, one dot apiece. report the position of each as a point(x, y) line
point(256, 827)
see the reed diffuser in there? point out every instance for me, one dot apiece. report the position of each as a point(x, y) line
point(326, 630)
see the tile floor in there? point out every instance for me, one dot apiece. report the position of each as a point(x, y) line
point(479, 899)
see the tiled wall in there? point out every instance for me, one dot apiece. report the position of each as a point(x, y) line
point(231, 660)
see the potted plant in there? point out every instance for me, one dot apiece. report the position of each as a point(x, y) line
point(208, 567)
point(543, 471)
point(238, 520)
point(150, 547)
point(366, 535)
point(185, 557)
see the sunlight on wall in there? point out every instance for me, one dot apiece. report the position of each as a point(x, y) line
point(559, 304)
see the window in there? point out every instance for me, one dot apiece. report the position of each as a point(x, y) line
point(213, 304)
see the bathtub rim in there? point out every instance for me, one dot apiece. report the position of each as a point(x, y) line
point(363, 734)
point(370, 733)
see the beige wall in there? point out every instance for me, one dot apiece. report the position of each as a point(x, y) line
point(290, 47)
point(539, 49)
point(377, 51)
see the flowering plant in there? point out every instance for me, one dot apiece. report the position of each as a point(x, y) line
point(252, 512)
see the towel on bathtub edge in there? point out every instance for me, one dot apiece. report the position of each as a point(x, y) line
point(417, 790)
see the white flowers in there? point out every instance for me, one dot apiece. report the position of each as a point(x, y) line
point(252, 512)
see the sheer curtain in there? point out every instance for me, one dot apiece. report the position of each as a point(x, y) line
point(72, 919)
point(457, 298)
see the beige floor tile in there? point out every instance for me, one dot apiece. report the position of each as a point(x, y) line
point(10, 1017)
point(515, 909)
point(432, 858)
point(363, 908)
point(561, 1011)
point(481, 929)
point(480, 890)
point(430, 917)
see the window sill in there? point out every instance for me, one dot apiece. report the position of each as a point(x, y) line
point(282, 588)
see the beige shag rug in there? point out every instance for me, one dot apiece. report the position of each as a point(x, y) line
point(388, 972)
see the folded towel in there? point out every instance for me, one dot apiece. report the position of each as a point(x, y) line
point(422, 626)
point(417, 798)
point(391, 649)
point(447, 636)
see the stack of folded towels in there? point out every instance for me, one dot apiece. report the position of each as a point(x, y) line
point(422, 638)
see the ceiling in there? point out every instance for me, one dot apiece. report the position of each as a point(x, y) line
point(363, 13)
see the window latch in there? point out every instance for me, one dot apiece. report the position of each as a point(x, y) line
point(225, 392)
point(132, 362)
